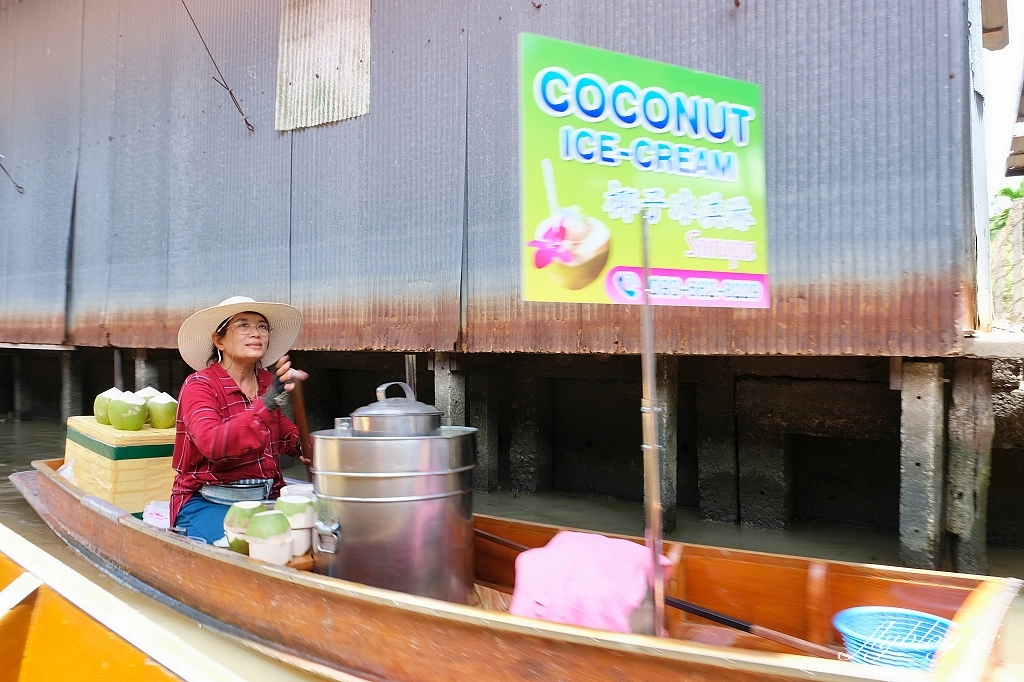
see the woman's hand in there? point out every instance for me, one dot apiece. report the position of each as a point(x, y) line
point(287, 375)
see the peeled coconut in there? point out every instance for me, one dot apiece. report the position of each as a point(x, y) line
point(99, 406)
point(163, 411)
point(127, 412)
point(298, 509)
point(147, 392)
point(236, 521)
point(270, 537)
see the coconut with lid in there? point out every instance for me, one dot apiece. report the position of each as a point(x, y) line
point(236, 522)
point(163, 411)
point(127, 412)
point(270, 537)
point(102, 401)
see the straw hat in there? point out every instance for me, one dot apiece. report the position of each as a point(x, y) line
point(194, 336)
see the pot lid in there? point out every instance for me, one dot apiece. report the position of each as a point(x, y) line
point(399, 406)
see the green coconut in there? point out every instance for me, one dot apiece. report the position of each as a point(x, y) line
point(298, 509)
point(240, 514)
point(127, 412)
point(163, 411)
point(267, 525)
point(99, 406)
point(237, 520)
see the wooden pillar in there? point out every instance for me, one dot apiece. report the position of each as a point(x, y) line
point(71, 370)
point(971, 428)
point(118, 370)
point(22, 395)
point(450, 389)
point(922, 444)
point(668, 394)
point(147, 371)
point(483, 416)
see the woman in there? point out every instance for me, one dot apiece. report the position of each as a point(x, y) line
point(230, 427)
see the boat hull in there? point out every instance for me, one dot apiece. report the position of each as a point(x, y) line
point(346, 630)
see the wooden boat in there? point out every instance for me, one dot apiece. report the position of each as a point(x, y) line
point(348, 631)
point(57, 625)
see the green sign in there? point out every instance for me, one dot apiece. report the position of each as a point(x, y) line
point(606, 136)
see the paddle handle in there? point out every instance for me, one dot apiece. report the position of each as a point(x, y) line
point(714, 616)
point(299, 408)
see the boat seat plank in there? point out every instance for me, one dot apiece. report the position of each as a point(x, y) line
point(13, 633)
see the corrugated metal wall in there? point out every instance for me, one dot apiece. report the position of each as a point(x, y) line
point(378, 201)
point(366, 224)
point(179, 205)
point(40, 46)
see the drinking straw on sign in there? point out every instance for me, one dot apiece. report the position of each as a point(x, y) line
point(549, 185)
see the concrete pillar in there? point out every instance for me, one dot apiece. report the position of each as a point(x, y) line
point(147, 370)
point(22, 395)
point(71, 371)
point(483, 416)
point(668, 393)
point(450, 389)
point(178, 369)
point(530, 437)
point(971, 428)
point(922, 425)
point(717, 462)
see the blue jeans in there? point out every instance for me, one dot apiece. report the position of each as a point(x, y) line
point(202, 519)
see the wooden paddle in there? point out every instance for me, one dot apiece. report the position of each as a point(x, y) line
point(299, 409)
point(803, 645)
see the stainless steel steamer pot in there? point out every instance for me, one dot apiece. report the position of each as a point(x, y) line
point(395, 510)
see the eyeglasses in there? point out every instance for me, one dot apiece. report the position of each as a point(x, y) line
point(245, 328)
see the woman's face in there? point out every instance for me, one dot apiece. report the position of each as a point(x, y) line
point(246, 339)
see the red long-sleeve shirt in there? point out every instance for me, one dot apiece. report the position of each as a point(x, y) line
point(224, 437)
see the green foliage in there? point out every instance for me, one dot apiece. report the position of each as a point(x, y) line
point(998, 221)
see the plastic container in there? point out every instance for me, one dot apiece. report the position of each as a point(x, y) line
point(303, 489)
point(894, 637)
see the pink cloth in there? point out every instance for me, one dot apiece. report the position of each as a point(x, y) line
point(583, 579)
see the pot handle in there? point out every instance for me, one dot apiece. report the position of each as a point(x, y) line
point(323, 529)
point(382, 390)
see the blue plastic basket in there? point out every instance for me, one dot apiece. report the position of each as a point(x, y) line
point(899, 638)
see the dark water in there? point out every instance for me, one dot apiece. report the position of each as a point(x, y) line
point(20, 443)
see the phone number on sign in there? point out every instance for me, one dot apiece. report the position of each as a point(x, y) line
point(668, 287)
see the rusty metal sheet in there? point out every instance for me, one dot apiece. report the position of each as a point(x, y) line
point(868, 191)
point(378, 201)
point(40, 43)
point(180, 205)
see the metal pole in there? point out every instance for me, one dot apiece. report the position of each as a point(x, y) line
point(649, 412)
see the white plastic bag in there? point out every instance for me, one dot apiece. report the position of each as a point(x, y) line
point(158, 514)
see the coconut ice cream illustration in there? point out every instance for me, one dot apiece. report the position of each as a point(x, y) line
point(571, 247)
